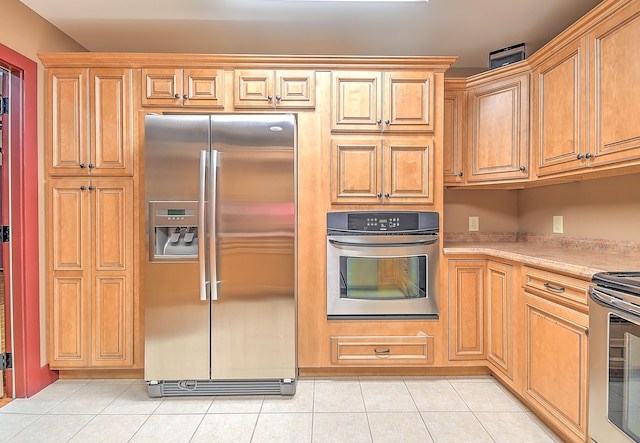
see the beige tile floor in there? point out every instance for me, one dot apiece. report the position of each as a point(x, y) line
point(352, 410)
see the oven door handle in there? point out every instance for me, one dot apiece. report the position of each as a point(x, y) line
point(612, 302)
point(376, 245)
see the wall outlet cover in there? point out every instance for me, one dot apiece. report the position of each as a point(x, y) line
point(558, 223)
point(474, 223)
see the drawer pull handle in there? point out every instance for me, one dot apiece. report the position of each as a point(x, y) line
point(382, 351)
point(550, 287)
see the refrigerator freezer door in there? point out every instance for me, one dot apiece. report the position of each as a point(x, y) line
point(253, 320)
point(177, 321)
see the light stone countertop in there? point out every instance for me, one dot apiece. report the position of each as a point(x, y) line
point(579, 262)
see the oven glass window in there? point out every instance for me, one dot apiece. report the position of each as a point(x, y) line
point(388, 278)
point(624, 375)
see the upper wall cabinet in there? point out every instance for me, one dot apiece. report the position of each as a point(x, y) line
point(454, 120)
point(614, 96)
point(183, 87)
point(376, 101)
point(559, 137)
point(274, 89)
point(89, 115)
point(498, 112)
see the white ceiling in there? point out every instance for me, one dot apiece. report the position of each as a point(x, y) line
point(469, 29)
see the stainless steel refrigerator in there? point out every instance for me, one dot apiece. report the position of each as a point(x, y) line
point(219, 279)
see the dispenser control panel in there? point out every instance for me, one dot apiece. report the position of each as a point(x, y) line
point(173, 230)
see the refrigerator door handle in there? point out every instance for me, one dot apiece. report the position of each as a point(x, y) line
point(202, 270)
point(213, 193)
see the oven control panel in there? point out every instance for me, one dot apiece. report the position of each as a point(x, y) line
point(383, 222)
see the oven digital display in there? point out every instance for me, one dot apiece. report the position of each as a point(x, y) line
point(375, 221)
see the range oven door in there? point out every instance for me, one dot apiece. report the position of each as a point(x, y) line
point(382, 276)
point(614, 369)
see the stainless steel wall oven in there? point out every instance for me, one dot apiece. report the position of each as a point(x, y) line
point(382, 264)
point(614, 357)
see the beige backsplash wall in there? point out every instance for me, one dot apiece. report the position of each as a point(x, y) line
point(607, 208)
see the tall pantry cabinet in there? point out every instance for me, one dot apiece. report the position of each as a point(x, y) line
point(90, 218)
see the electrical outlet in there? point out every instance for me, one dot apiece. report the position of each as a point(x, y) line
point(558, 227)
point(474, 223)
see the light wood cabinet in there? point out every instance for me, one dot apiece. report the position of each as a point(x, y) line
point(467, 309)
point(498, 112)
point(183, 87)
point(90, 269)
point(382, 350)
point(454, 120)
point(378, 170)
point(274, 89)
point(614, 96)
point(383, 101)
point(500, 293)
point(90, 117)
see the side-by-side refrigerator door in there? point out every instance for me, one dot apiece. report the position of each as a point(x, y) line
point(177, 306)
point(253, 317)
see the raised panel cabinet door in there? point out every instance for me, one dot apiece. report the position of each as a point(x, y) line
point(498, 148)
point(408, 101)
point(408, 170)
point(556, 364)
point(68, 271)
point(67, 114)
point(161, 87)
point(254, 89)
point(454, 118)
point(112, 275)
point(203, 87)
point(499, 295)
point(111, 121)
point(357, 101)
point(614, 94)
point(356, 165)
point(295, 89)
point(466, 310)
point(559, 111)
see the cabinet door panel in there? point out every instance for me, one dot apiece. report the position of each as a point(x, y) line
point(498, 132)
point(408, 101)
point(112, 109)
point(253, 89)
point(67, 118)
point(614, 79)
point(160, 87)
point(560, 105)
point(204, 87)
point(454, 119)
point(466, 310)
point(408, 170)
point(295, 89)
point(67, 326)
point(112, 207)
point(556, 364)
point(356, 166)
point(68, 225)
point(499, 321)
point(112, 321)
point(357, 98)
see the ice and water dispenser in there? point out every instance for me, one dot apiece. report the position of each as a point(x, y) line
point(173, 230)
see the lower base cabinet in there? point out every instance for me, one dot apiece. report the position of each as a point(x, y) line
point(556, 364)
point(382, 350)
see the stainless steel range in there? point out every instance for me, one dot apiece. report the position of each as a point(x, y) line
point(382, 265)
point(614, 357)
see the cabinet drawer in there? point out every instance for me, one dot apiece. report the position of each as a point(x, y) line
point(400, 350)
point(561, 288)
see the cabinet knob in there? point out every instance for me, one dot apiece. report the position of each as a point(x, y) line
point(83, 187)
point(459, 174)
point(82, 165)
point(580, 156)
point(379, 122)
point(387, 122)
point(91, 166)
point(185, 96)
point(387, 195)
point(91, 187)
point(269, 97)
point(177, 96)
point(379, 194)
point(522, 168)
point(589, 155)
point(278, 98)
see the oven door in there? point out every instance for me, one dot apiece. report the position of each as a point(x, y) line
point(614, 371)
point(382, 276)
